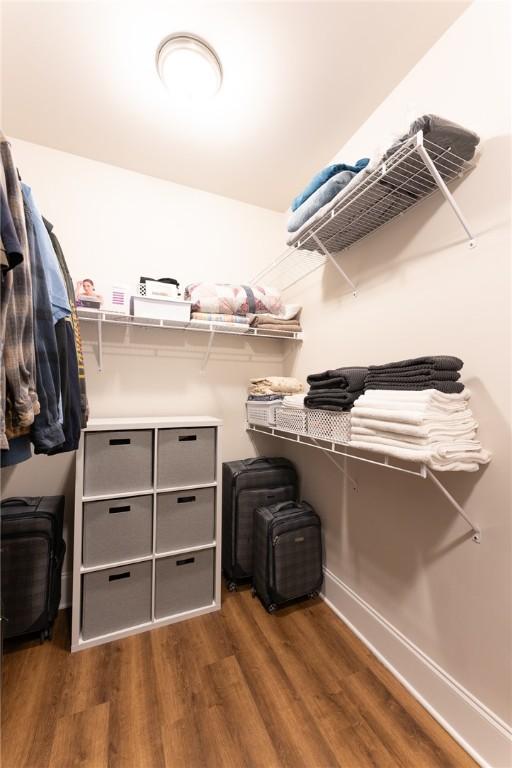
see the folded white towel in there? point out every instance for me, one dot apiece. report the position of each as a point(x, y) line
point(455, 425)
point(418, 417)
point(445, 459)
point(435, 437)
point(406, 395)
point(293, 401)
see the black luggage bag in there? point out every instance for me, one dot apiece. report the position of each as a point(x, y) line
point(32, 551)
point(287, 553)
point(246, 485)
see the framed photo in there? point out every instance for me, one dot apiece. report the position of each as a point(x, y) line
point(86, 295)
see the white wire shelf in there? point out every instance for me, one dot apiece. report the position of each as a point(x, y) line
point(186, 325)
point(329, 447)
point(413, 173)
point(101, 318)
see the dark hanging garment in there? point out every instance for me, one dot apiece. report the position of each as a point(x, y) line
point(84, 406)
point(70, 387)
point(46, 432)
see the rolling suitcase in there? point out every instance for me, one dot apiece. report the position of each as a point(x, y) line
point(32, 550)
point(287, 553)
point(246, 485)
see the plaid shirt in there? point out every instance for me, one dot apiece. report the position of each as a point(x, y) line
point(17, 327)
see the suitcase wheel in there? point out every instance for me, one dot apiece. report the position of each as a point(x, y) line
point(312, 595)
point(232, 586)
point(272, 608)
point(253, 592)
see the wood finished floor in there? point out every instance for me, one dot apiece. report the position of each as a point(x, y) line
point(233, 689)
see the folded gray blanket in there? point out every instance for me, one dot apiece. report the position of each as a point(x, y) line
point(350, 379)
point(444, 133)
point(331, 399)
point(449, 387)
point(265, 398)
point(437, 362)
point(391, 378)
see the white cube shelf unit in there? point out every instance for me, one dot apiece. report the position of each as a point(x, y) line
point(147, 538)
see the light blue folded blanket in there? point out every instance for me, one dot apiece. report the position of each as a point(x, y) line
point(324, 175)
point(318, 199)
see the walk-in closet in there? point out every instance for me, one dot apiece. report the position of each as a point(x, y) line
point(255, 385)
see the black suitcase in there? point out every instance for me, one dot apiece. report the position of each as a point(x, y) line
point(287, 553)
point(32, 551)
point(246, 485)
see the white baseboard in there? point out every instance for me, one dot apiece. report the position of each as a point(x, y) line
point(66, 590)
point(476, 728)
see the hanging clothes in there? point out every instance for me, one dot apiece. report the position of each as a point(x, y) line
point(18, 354)
point(84, 405)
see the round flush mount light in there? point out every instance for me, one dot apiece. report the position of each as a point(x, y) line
point(188, 67)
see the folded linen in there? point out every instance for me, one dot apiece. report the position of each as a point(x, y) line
point(293, 401)
point(320, 178)
point(318, 199)
point(302, 233)
point(233, 299)
point(288, 312)
point(330, 399)
point(445, 458)
point(285, 385)
point(445, 134)
point(430, 396)
point(442, 386)
point(216, 317)
point(267, 319)
point(411, 377)
point(437, 362)
point(286, 327)
point(453, 426)
point(349, 378)
point(398, 438)
point(265, 398)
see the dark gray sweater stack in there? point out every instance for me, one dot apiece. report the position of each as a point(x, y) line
point(335, 390)
point(437, 372)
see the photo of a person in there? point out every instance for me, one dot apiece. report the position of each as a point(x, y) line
point(86, 295)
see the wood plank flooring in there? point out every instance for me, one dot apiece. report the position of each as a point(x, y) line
point(233, 689)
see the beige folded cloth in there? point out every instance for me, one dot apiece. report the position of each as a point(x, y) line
point(271, 385)
point(279, 327)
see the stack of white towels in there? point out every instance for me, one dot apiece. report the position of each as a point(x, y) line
point(426, 426)
point(294, 401)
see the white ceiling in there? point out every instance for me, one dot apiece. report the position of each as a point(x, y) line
point(299, 79)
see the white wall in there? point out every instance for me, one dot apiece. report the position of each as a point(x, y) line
point(397, 542)
point(116, 225)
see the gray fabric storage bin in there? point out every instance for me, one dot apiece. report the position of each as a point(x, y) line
point(118, 462)
point(186, 457)
point(183, 582)
point(185, 519)
point(117, 529)
point(116, 598)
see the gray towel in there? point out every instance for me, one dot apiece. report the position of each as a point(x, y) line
point(437, 362)
point(351, 379)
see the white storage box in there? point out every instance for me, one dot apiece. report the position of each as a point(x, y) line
point(291, 420)
point(161, 309)
point(262, 412)
point(329, 425)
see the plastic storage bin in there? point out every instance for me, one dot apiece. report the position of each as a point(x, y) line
point(186, 457)
point(185, 519)
point(116, 598)
point(117, 529)
point(183, 582)
point(118, 462)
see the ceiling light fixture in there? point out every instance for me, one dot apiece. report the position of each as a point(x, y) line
point(188, 67)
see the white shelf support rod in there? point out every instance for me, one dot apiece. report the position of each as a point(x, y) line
point(444, 189)
point(334, 263)
point(100, 345)
point(477, 533)
point(208, 351)
point(343, 471)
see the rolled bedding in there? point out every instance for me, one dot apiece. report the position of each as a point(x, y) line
point(227, 299)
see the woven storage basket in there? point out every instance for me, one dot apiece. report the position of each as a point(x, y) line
point(291, 420)
point(261, 412)
point(329, 425)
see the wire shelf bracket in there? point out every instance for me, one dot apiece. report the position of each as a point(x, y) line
point(415, 171)
point(335, 448)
